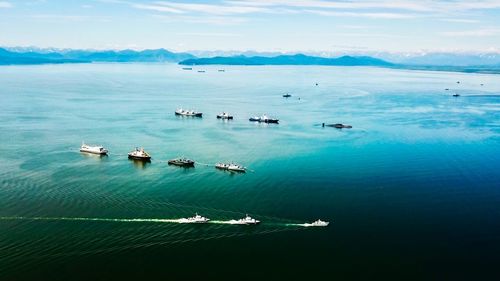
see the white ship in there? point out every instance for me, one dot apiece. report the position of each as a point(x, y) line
point(184, 112)
point(93, 149)
point(196, 219)
point(139, 154)
point(317, 223)
point(244, 221)
point(230, 167)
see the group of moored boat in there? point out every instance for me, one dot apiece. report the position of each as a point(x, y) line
point(247, 220)
point(225, 116)
point(141, 155)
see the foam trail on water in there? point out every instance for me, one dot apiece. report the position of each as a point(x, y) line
point(92, 219)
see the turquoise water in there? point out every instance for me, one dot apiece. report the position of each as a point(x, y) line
point(411, 191)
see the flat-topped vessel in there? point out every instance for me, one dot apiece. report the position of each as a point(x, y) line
point(182, 162)
point(139, 154)
point(94, 149)
point(196, 219)
point(337, 125)
point(192, 113)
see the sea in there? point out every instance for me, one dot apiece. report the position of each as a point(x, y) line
point(411, 191)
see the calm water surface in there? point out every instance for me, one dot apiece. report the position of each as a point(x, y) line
point(412, 191)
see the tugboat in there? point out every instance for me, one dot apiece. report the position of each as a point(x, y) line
point(93, 149)
point(317, 223)
point(338, 126)
point(287, 95)
point(182, 162)
point(244, 221)
point(139, 154)
point(192, 113)
point(224, 116)
point(264, 118)
point(196, 219)
point(230, 167)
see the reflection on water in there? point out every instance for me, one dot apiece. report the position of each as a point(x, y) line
point(141, 164)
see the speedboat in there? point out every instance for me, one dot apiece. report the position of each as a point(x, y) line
point(230, 167)
point(196, 219)
point(244, 221)
point(224, 115)
point(287, 95)
point(317, 223)
point(264, 118)
point(139, 154)
point(183, 162)
point(192, 113)
point(338, 126)
point(93, 149)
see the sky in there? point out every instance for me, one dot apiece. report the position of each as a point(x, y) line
point(257, 25)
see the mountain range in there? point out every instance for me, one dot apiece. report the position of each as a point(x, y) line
point(463, 62)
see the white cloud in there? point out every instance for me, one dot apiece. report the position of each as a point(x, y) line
point(484, 32)
point(4, 4)
point(213, 9)
point(460, 20)
point(362, 14)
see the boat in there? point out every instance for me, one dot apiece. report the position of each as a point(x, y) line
point(183, 162)
point(456, 95)
point(264, 118)
point(224, 115)
point(244, 221)
point(196, 219)
point(447, 89)
point(201, 71)
point(97, 149)
point(139, 154)
point(192, 113)
point(221, 70)
point(338, 126)
point(287, 95)
point(187, 68)
point(317, 223)
point(231, 167)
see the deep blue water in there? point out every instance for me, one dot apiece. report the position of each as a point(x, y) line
point(412, 191)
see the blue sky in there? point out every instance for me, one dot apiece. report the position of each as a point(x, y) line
point(260, 25)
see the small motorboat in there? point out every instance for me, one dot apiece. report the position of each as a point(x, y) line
point(139, 154)
point(192, 113)
point(201, 71)
point(187, 68)
point(224, 116)
point(447, 89)
point(231, 167)
point(97, 149)
point(264, 118)
point(458, 82)
point(221, 70)
point(182, 162)
point(455, 95)
point(196, 219)
point(317, 223)
point(337, 125)
point(287, 95)
point(244, 221)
